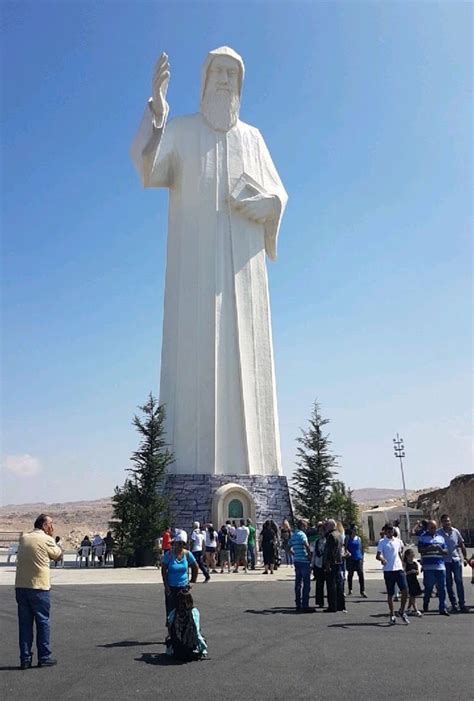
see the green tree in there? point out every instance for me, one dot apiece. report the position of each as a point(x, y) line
point(124, 506)
point(315, 471)
point(351, 509)
point(140, 509)
point(341, 504)
point(337, 500)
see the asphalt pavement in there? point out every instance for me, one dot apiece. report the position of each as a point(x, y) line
point(109, 642)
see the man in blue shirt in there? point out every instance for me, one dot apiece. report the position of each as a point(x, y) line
point(301, 557)
point(453, 561)
point(433, 550)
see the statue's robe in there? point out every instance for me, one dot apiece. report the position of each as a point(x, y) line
point(217, 369)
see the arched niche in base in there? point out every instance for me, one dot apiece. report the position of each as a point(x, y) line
point(232, 498)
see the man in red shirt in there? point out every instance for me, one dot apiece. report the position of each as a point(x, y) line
point(166, 540)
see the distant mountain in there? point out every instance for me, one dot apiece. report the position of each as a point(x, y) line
point(372, 495)
point(72, 520)
point(54, 507)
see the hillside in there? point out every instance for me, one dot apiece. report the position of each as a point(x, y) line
point(372, 495)
point(73, 520)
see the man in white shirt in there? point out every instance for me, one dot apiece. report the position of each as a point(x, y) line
point(198, 540)
point(241, 539)
point(389, 550)
point(397, 534)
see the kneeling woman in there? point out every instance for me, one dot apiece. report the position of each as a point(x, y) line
point(175, 572)
point(185, 639)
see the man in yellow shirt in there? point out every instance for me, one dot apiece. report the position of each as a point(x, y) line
point(32, 587)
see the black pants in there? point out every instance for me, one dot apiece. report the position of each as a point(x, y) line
point(200, 562)
point(355, 566)
point(335, 588)
point(319, 576)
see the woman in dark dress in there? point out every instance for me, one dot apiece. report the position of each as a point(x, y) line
point(267, 543)
point(276, 545)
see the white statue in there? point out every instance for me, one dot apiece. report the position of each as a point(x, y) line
point(226, 203)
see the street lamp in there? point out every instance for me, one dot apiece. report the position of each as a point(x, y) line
point(399, 450)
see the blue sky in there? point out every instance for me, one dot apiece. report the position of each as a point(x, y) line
point(366, 109)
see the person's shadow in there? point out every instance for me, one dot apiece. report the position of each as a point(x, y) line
point(285, 610)
point(365, 624)
point(130, 643)
point(161, 659)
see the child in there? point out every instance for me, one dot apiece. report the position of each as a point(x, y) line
point(59, 543)
point(411, 569)
point(185, 640)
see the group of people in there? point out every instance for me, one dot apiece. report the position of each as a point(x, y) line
point(235, 546)
point(332, 554)
point(443, 554)
point(230, 548)
point(335, 555)
point(99, 547)
point(329, 551)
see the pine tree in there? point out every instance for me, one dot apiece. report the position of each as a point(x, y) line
point(351, 509)
point(337, 501)
point(316, 469)
point(124, 507)
point(341, 504)
point(140, 509)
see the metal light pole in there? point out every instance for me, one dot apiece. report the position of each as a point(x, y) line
point(399, 450)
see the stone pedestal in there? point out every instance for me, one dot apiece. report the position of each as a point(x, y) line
point(206, 498)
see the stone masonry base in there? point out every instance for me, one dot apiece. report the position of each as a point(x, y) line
point(191, 497)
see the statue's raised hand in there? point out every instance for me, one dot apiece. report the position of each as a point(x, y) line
point(159, 88)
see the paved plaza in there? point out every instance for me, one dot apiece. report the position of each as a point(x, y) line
point(109, 641)
point(73, 574)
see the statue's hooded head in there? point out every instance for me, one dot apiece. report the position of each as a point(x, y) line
point(221, 88)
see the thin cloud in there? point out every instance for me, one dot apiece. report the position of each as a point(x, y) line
point(22, 465)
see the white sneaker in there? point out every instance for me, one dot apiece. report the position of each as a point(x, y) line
point(404, 618)
point(393, 620)
point(418, 614)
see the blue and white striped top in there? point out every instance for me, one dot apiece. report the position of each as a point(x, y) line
point(431, 558)
point(297, 543)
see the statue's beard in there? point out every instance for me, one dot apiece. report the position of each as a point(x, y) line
point(221, 109)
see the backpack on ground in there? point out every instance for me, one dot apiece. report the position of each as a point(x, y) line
point(183, 637)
